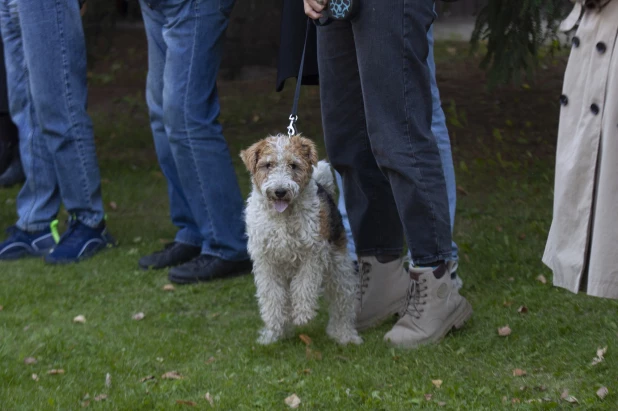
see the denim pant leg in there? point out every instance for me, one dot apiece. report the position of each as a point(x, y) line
point(180, 212)
point(55, 52)
point(39, 198)
point(440, 132)
point(391, 47)
point(193, 34)
point(372, 212)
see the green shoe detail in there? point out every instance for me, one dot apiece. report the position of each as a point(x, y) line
point(53, 226)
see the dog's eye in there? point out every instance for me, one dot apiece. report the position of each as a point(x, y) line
point(293, 166)
point(267, 165)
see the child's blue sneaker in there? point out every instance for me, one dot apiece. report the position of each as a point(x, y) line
point(22, 243)
point(80, 242)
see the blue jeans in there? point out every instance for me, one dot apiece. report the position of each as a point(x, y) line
point(185, 39)
point(377, 115)
point(45, 57)
point(440, 132)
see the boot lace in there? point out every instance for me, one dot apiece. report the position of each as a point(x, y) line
point(415, 300)
point(364, 272)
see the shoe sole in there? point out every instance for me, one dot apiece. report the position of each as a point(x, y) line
point(24, 255)
point(185, 280)
point(81, 258)
point(457, 320)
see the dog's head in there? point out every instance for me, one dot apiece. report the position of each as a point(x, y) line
point(281, 167)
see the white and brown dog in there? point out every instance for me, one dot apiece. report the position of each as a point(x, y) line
point(296, 240)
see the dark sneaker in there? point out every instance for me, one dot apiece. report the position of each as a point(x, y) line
point(172, 254)
point(206, 268)
point(80, 242)
point(23, 244)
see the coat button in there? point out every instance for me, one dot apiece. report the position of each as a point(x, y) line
point(595, 109)
point(564, 100)
point(601, 47)
point(575, 42)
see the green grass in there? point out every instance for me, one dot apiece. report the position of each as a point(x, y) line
point(207, 332)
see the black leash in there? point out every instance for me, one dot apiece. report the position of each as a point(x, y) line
point(292, 130)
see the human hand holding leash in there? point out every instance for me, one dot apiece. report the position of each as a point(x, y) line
point(313, 8)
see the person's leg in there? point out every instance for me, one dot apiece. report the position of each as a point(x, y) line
point(440, 132)
point(194, 38)
point(55, 52)
point(373, 214)
point(39, 200)
point(344, 215)
point(188, 241)
point(397, 102)
point(55, 55)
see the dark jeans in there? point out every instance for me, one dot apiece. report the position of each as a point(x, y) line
point(376, 113)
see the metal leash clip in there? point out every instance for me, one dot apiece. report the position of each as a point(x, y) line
point(292, 131)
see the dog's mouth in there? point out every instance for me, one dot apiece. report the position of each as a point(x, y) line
point(281, 205)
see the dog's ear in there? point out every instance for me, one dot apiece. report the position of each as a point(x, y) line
point(251, 156)
point(307, 149)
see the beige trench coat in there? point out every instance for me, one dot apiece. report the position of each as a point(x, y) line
point(582, 246)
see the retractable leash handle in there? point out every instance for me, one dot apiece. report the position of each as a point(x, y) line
point(338, 10)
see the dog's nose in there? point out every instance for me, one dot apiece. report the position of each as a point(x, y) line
point(280, 193)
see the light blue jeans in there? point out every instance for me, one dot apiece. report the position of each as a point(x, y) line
point(439, 130)
point(45, 57)
point(185, 39)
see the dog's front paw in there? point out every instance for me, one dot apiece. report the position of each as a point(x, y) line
point(302, 317)
point(268, 336)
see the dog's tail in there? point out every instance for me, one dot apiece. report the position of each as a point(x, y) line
point(323, 175)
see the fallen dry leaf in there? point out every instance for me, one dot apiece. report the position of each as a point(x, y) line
point(568, 398)
point(168, 287)
point(55, 372)
point(511, 279)
point(172, 375)
point(504, 331)
point(441, 403)
point(507, 303)
point(139, 316)
point(305, 338)
point(35, 377)
point(522, 310)
point(210, 360)
point(147, 378)
point(522, 236)
point(1, 308)
point(499, 228)
point(428, 397)
point(85, 404)
point(519, 372)
point(108, 380)
point(602, 392)
point(29, 360)
point(100, 397)
point(451, 50)
point(307, 371)
point(208, 398)
point(292, 401)
point(541, 278)
point(600, 356)
point(189, 403)
point(437, 383)
point(462, 190)
point(113, 205)
point(515, 401)
point(80, 319)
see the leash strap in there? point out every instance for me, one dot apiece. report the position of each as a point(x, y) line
point(292, 130)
